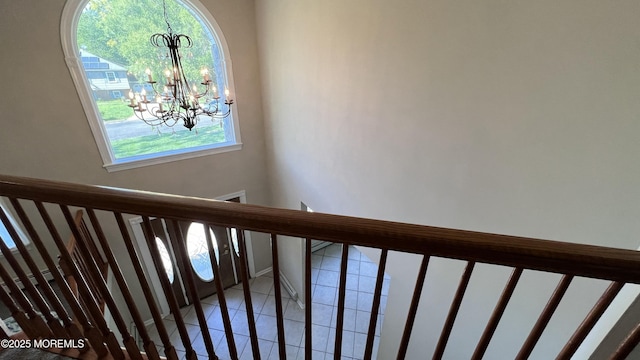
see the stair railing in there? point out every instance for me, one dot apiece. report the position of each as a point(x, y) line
point(44, 208)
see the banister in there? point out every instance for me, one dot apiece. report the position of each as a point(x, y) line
point(545, 255)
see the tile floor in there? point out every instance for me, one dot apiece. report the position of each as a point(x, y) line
point(325, 277)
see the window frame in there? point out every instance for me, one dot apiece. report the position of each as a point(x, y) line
point(115, 78)
point(17, 227)
point(68, 35)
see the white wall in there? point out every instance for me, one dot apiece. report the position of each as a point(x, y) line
point(46, 135)
point(518, 118)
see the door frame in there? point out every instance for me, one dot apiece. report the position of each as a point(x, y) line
point(140, 244)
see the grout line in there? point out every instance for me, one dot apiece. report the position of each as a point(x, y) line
point(356, 263)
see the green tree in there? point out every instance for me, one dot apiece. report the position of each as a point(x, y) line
point(119, 31)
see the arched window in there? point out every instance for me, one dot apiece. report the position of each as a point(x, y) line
point(107, 49)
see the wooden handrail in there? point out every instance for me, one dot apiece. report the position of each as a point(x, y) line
point(86, 265)
point(545, 255)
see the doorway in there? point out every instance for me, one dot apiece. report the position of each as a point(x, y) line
point(225, 248)
point(199, 265)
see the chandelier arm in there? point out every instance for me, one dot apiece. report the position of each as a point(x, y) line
point(217, 114)
point(180, 80)
point(156, 117)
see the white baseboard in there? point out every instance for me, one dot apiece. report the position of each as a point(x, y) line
point(290, 289)
point(265, 271)
point(300, 304)
point(286, 284)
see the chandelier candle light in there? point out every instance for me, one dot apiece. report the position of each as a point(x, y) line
point(178, 101)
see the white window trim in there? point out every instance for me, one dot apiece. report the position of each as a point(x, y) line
point(22, 237)
point(68, 35)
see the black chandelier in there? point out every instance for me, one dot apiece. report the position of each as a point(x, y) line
point(178, 102)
